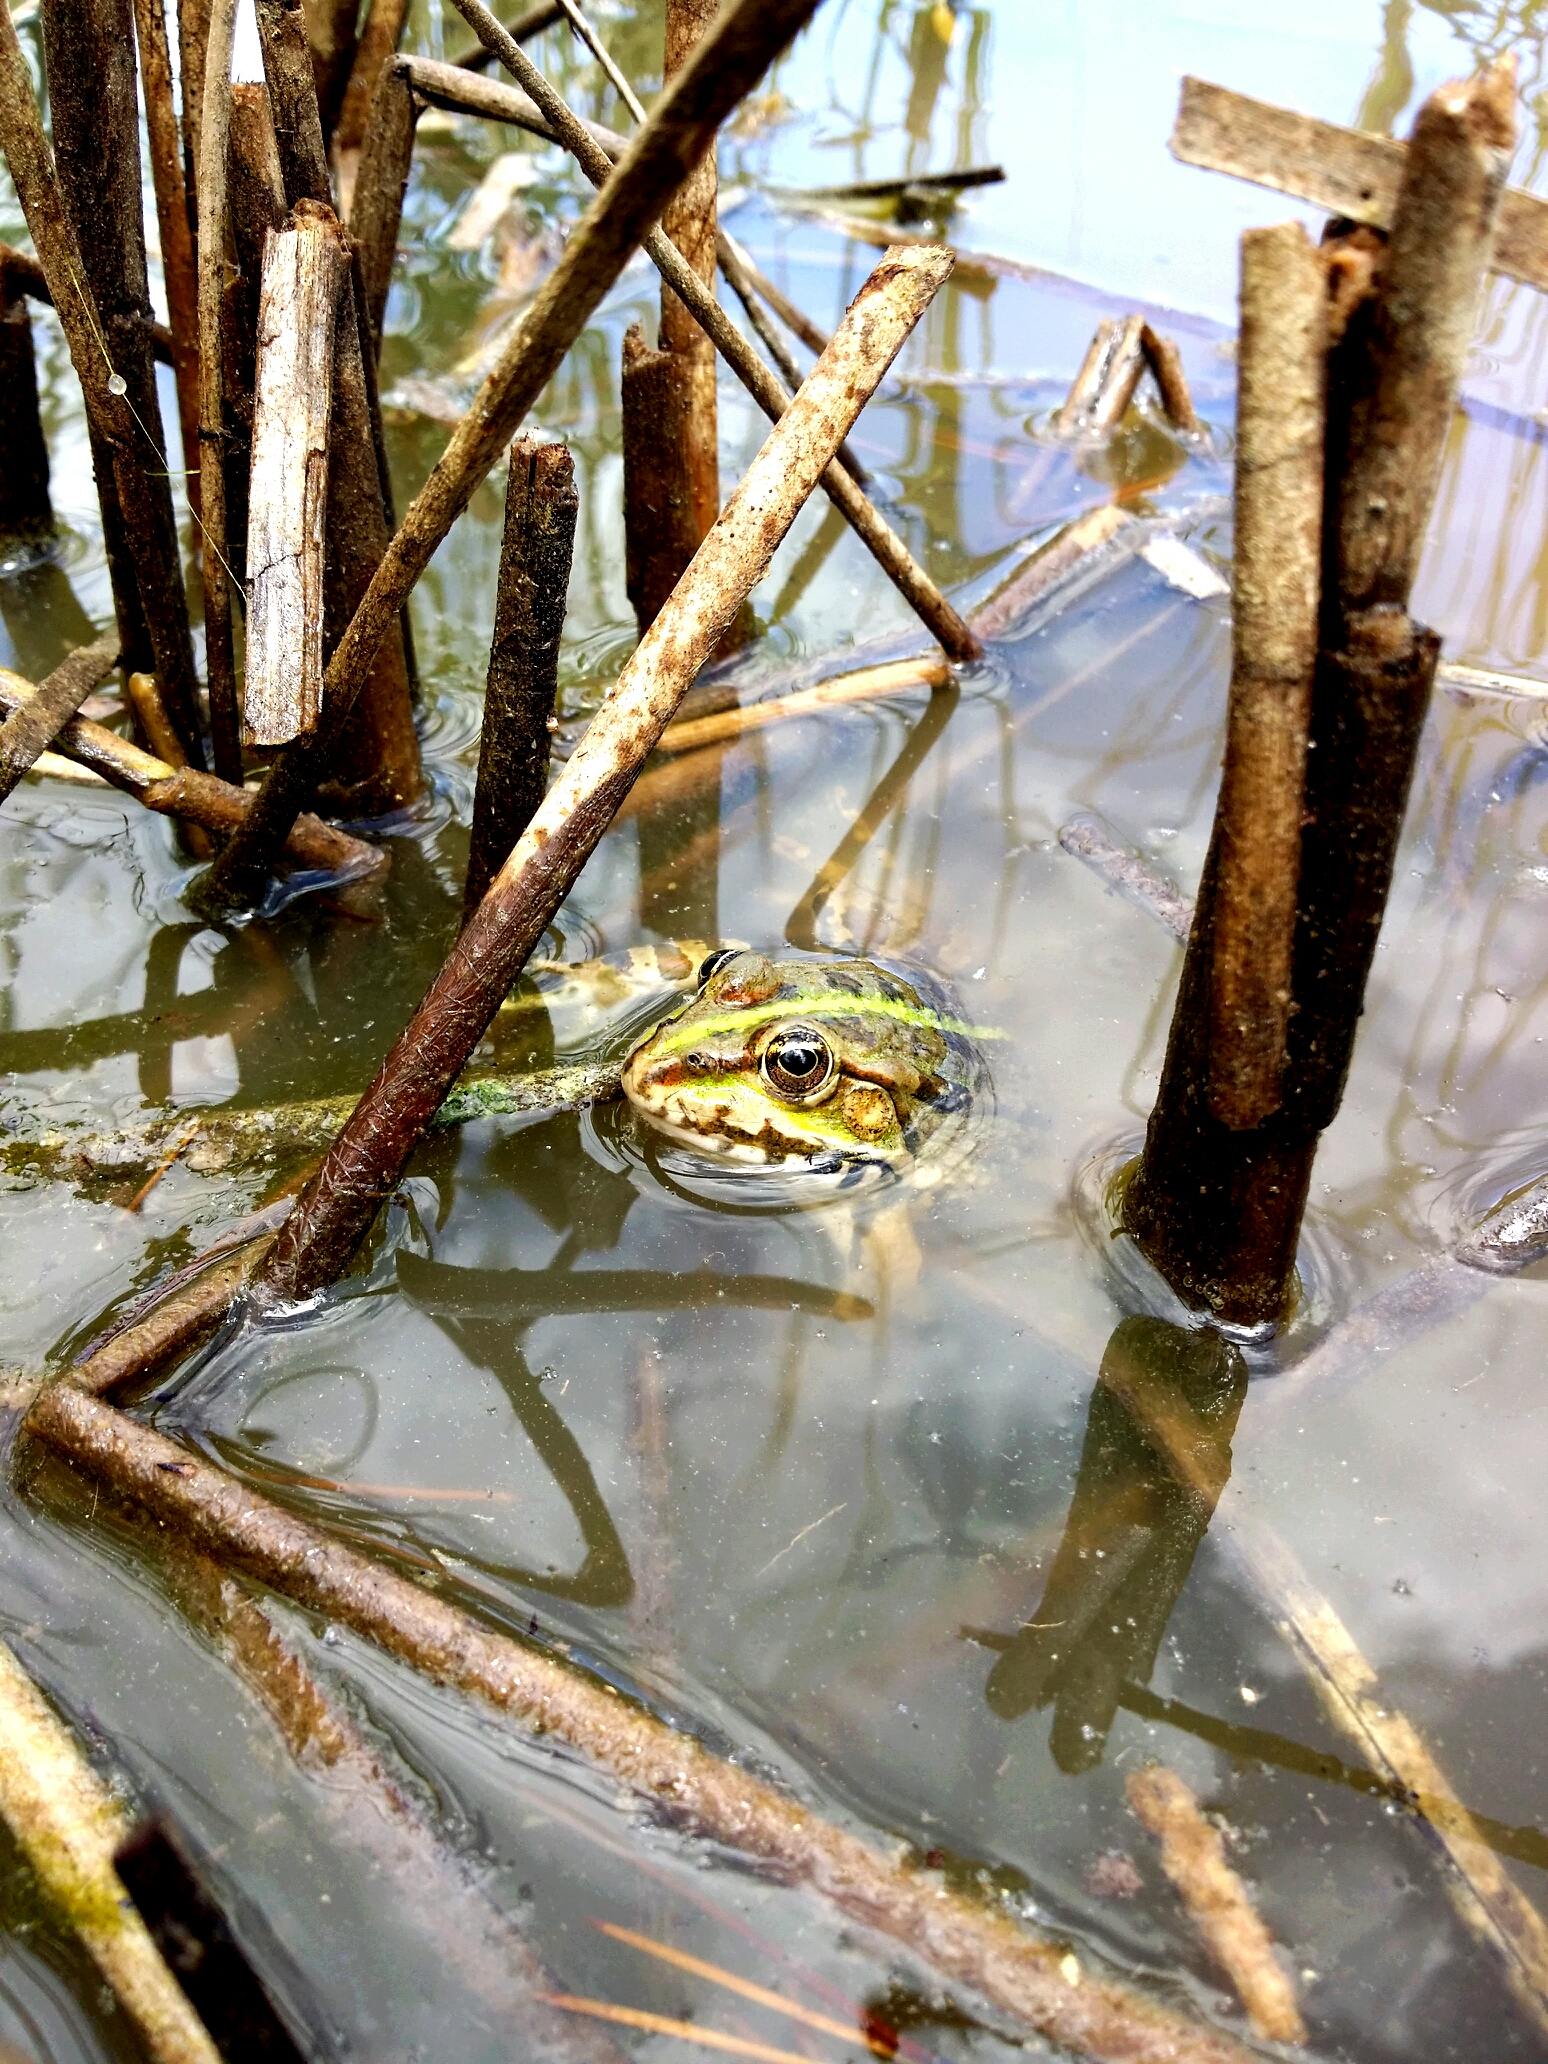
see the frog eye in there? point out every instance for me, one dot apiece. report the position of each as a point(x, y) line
point(798, 1064)
point(713, 962)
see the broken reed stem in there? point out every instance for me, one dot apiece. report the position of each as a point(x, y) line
point(69, 1826)
point(795, 318)
point(1218, 1209)
point(1108, 376)
point(293, 101)
point(1432, 277)
point(1024, 1974)
point(85, 214)
point(748, 37)
point(1165, 363)
point(32, 728)
point(193, 28)
point(213, 214)
point(1346, 172)
point(303, 271)
point(330, 35)
point(1275, 596)
point(739, 276)
point(532, 21)
point(192, 795)
point(541, 507)
point(956, 638)
point(177, 247)
point(1193, 1857)
point(381, 180)
point(340, 1202)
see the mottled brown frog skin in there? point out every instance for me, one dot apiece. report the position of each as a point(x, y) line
point(779, 1059)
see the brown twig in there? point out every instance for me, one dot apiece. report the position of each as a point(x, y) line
point(1275, 597)
point(1108, 376)
point(1353, 175)
point(213, 212)
point(32, 728)
point(1077, 547)
point(1193, 1857)
point(85, 214)
point(341, 1201)
point(1037, 1980)
point(26, 511)
point(196, 797)
point(177, 249)
point(748, 285)
point(378, 42)
point(1165, 363)
point(532, 21)
point(747, 37)
point(540, 513)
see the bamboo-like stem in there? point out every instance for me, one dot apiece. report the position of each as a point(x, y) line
point(378, 43)
point(1165, 363)
point(891, 554)
point(31, 729)
point(177, 246)
point(339, 1204)
point(1275, 599)
point(740, 277)
point(1023, 1973)
point(303, 271)
point(255, 206)
point(1218, 1903)
point(381, 180)
point(1347, 172)
point(84, 211)
point(540, 512)
point(69, 1826)
point(26, 510)
point(330, 35)
point(1078, 546)
point(749, 35)
point(213, 215)
point(1108, 376)
point(186, 792)
point(298, 128)
point(193, 32)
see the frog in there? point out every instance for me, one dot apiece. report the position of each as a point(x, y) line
point(828, 1063)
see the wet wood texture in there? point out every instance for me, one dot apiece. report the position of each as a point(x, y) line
point(32, 729)
point(176, 229)
point(541, 507)
point(303, 272)
point(26, 509)
point(216, 446)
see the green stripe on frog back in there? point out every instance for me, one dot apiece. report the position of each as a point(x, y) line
point(823, 1004)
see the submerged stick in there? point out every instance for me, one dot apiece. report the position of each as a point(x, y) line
point(177, 249)
point(921, 593)
point(1275, 596)
point(68, 1825)
point(541, 507)
point(1032, 1977)
point(32, 728)
point(749, 35)
point(1193, 1857)
point(303, 271)
point(339, 1204)
point(196, 797)
point(213, 212)
point(1349, 172)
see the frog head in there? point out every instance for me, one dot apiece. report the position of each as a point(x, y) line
point(772, 1060)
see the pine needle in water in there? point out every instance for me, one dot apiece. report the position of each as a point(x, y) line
point(662, 2024)
point(774, 2001)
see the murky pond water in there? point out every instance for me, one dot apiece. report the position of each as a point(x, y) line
point(814, 1478)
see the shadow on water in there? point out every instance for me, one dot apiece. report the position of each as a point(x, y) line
point(1157, 1455)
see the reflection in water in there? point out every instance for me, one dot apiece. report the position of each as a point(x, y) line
point(1157, 1455)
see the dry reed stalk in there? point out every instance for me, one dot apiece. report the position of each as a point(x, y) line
point(889, 551)
point(381, 180)
point(1348, 172)
point(143, 692)
point(192, 795)
point(743, 279)
point(540, 514)
point(1031, 1977)
point(532, 21)
point(193, 30)
point(1108, 376)
point(1218, 1903)
point(749, 35)
point(339, 1204)
point(214, 446)
point(21, 273)
point(1165, 363)
point(293, 101)
point(330, 36)
point(68, 1825)
point(84, 207)
point(303, 272)
point(794, 317)
point(177, 245)
point(378, 42)
point(868, 684)
point(32, 728)
point(26, 511)
point(670, 436)
point(1275, 598)
point(1075, 546)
